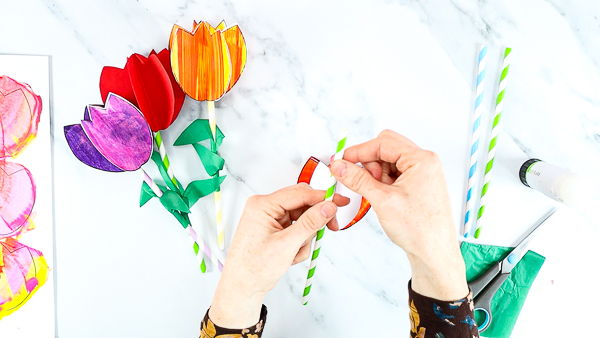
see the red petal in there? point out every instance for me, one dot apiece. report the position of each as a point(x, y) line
point(308, 170)
point(165, 58)
point(153, 90)
point(116, 80)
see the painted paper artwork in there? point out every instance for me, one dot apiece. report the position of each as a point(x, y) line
point(148, 83)
point(316, 174)
point(26, 229)
point(115, 137)
point(208, 61)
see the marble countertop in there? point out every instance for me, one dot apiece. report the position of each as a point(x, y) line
point(313, 68)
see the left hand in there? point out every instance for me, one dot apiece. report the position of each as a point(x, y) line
point(274, 232)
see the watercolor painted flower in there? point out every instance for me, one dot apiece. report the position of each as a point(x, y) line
point(23, 270)
point(17, 196)
point(20, 110)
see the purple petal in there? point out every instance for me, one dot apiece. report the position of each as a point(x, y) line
point(119, 132)
point(85, 151)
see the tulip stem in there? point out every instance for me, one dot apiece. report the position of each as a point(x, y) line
point(184, 219)
point(212, 121)
point(165, 159)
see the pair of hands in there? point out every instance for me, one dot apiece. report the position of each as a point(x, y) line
point(407, 190)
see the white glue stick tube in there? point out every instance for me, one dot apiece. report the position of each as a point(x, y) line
point(555, 182)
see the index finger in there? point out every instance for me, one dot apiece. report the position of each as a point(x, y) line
point(386, 147)
point(299, 196)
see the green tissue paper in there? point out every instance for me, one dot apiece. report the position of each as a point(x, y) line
point(508, 301)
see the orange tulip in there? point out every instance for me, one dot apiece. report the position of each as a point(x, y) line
point(208, 61)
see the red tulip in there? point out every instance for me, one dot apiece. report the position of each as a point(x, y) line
point(149, 84)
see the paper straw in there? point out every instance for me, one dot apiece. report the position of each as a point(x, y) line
point(493, 139)
point(197, 242)
point(163, 155)
point(475, 140)
point(339, 153)
point(212, 121)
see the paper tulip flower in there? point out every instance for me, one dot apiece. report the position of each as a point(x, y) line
point(23, 270)
point(20, 110)
point(148, 83)
point(208, 61)
point(115, 137)
point(17, 196)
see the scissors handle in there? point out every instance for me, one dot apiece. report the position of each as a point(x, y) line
point(482, 281)
point(484, 301)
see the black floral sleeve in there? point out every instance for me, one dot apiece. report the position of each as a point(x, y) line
point(210, 330)
point(441, 319)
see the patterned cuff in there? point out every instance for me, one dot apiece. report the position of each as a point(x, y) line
point(431, 317)
point(210, 330)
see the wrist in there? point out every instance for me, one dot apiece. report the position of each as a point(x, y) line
point(441, 276)
point(234, 308)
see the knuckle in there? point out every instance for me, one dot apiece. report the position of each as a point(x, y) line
point(311, 222)
point(386, 133)
point(431, 157)
point(359, 180)
point(254, 200)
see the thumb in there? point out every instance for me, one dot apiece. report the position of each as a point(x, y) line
point(311, 221)
point(358, 180)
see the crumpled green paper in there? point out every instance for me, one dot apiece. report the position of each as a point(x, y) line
point(508, 301)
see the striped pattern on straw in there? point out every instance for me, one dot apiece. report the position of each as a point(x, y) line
point(493, 139)
point(165, 159)
point(475, 141)
point(339, 153)
point(197, 242)
point(212, 121)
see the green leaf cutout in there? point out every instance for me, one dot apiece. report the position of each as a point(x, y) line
point(198, 131)
point(172, 201)
point(163, 171)
point(200, 188)
point(184, 221)
point(146, 194)
point(220, 138)
point(211, 161)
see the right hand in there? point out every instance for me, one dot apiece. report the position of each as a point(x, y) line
point(407, 190)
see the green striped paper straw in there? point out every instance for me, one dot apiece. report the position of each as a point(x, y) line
point(493, 139)
point(197, 242)
point(339, 153)
point(165, 159)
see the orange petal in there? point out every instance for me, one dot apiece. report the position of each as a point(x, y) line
point(237, 51)
point(200, 62)
point(221, 25)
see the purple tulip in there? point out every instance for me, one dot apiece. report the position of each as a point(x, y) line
point(115, 137)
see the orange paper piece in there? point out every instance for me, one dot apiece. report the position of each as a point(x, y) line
point(208, 61)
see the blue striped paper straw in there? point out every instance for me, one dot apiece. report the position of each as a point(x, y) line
point(475, 141)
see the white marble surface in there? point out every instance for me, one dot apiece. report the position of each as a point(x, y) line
point(313, 68)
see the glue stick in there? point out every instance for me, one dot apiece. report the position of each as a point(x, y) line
point(555, 182)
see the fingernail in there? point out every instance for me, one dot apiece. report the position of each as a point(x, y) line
point(328, 210)
point(338, 168)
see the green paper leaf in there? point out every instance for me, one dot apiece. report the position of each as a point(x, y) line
point(172, 201)
point(146, 194)
point(197, 131)
point(184, 221)
point(220, 138)
point(211, 161)
point(163, 172)
point(200, 188)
